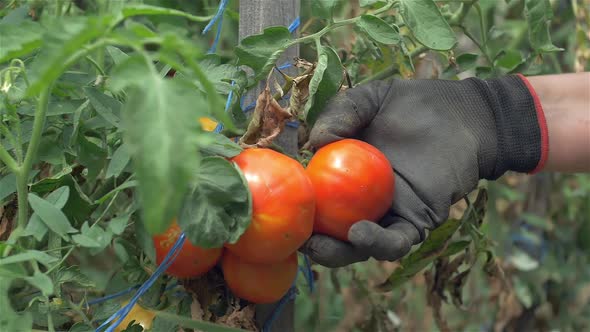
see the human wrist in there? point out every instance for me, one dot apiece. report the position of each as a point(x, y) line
point(566, 104)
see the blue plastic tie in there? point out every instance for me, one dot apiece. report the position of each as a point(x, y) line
point(124, 311)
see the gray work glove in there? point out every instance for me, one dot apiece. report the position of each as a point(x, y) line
point(441, 137)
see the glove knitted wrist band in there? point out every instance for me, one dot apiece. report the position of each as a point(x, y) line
point(521, 128)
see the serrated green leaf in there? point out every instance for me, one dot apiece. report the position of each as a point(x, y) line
point(221, 74)
point(220, 145)
point(323, 8)
point(162, 137)
point(72, 274)
point(52, 216)
point(29, 255)
point(539, 14)
point(119, 161)
point(107, 106)
point(19, 40)
point(64, 37)
point(427, 24)
point(378, 30)
point(256, 50)
point(324, 84)
point(219, 207)
point(42, 282)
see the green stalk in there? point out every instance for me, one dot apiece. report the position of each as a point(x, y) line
point(7, 159)
point(22, 174)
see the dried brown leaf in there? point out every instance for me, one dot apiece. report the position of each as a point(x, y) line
point(268, 121)
point(240, 318)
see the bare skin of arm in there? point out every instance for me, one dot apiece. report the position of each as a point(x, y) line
point(565, 99)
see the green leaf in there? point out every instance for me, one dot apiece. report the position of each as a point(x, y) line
point(72, 275)
point(379, 30)
point(29, 255)
point(107, 106)
point(64, 37)
point(119, 161)
point(19, 40)
point(257, 50)
point(52, 216)
point(10, 320)
point(323, 8)
point(221, 74)
point(539, 14)
point(467, 61)
point(162, 137)
point(92, 156)
point(427, 24)
point(218, 144)
point(324, 84)
point(116, 54)
point(42, 282)
point(509, 59)
point(118, 225)
point(93, 237)
point(35, 226)
point(7, 186)
point(196, 324)
point(433, 247)
point(55, 107)
point(365, 3)
point(219, 207)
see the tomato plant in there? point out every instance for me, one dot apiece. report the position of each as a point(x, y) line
point(192, 261)
point(283, 206)
point(353, 181)
point(259, 283)
point(116, 118)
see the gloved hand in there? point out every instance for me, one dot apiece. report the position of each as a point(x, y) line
point(441, 138)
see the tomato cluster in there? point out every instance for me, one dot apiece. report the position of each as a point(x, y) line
point(345, 182)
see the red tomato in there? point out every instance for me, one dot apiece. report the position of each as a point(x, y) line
point(259, 283)
point(192, 261)
point(283, 206)
point(353, 181)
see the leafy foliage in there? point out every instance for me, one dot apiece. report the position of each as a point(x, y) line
point(101, 147)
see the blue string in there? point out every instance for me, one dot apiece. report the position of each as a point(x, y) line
point(124, 311)
point(217, 16)
point(308, 273)
point(295, 24)
point(112, 296)
point(290, 295)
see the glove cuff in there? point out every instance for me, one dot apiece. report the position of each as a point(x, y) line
point(522, 136)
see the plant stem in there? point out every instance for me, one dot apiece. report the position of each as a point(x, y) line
point(22, 175)
point(322, 32)
point(7, 159)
